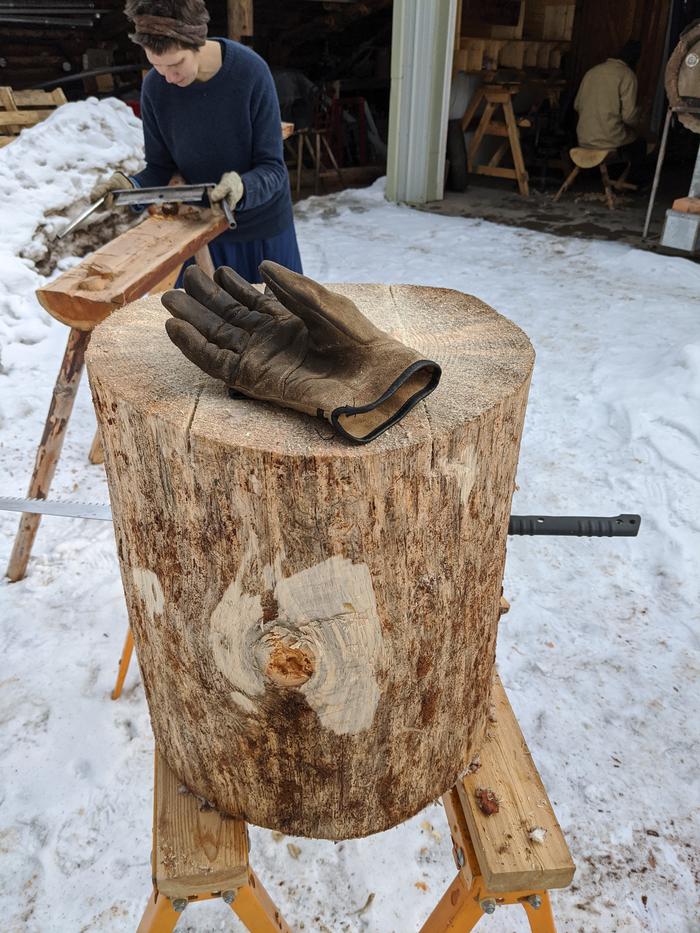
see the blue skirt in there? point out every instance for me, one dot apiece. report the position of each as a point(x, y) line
point(246, 257)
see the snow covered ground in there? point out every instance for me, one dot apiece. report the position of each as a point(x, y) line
point(599, 652)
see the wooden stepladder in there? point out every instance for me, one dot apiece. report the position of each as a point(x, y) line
point(495, 96)
point(511, 857)
point(129, 267)
point(198, 854)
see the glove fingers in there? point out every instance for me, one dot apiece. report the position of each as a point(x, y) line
point(246, 294)
point(331, 318)
point(218, 192)
point(209, 325)
point(213, 360)
point(204, 290)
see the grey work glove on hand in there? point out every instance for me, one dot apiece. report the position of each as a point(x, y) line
point(104, 189)
point(299, 346)
point(230, 187)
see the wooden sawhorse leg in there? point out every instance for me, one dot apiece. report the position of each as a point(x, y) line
point(124, 661)
point(567, 183)
point(96, 454)
point(50, 447)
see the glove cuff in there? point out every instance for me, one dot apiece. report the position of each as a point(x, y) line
point(365, 422)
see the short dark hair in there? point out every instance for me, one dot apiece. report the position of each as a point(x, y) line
point(631, 52)
point(188, 12)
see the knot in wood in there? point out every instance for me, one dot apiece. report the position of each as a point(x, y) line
point(288, 664)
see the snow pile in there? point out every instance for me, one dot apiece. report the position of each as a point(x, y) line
point(46, 176)
point(599, 652)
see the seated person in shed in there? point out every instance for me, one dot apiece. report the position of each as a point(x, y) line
point(608, 113)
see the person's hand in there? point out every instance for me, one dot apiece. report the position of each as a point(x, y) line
point(298, 345)
point(104, 189)
point(230, 188)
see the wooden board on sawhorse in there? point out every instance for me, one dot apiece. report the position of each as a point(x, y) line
point(495, 96)
point(125, 269)
point(512, 856)
point(199, 854)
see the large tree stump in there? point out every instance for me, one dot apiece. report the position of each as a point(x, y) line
point(315, 622)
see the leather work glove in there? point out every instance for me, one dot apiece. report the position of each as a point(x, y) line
point(298, 345)
point(115, 182)
point(230, 187)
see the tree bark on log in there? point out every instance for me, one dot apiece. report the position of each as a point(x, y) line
point(315, 622)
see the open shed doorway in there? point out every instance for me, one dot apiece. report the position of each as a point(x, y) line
point(331, 65)
point(542, 49)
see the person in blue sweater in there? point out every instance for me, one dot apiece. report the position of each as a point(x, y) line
point(210, 114)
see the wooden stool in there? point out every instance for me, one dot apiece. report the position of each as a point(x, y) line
point(512, 857)
point(589, 158)
point(199, 854)
point(131, 266)
point(497, 95)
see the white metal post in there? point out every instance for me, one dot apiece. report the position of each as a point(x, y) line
point(421, 73)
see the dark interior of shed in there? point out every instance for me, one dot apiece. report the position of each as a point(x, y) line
point(331, 62)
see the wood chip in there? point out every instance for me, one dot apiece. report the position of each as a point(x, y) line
point(365, 907)
point(487, 800)
point(429, 828)
point(293, 850)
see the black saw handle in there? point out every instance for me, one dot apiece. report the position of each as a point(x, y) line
point(582, 526)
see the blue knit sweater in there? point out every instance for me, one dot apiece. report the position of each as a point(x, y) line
point(229, 123)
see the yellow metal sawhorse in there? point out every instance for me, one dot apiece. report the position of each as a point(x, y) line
point(513, 856)
point(199, 854)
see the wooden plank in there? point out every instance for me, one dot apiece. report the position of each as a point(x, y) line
point(240, 18)
point(197, 849)
point(7, 102)
point(509, 859)
point(472, 107)
point(516, 151)
point(128, 267)
point(496, 172)
point(496, 129)
point(49, 99)
point(22, 117)
point(479, 134)
point(7, 99)
point(16, 116)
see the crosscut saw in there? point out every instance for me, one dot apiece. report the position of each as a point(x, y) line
point(581, 526)
point(170, 194)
